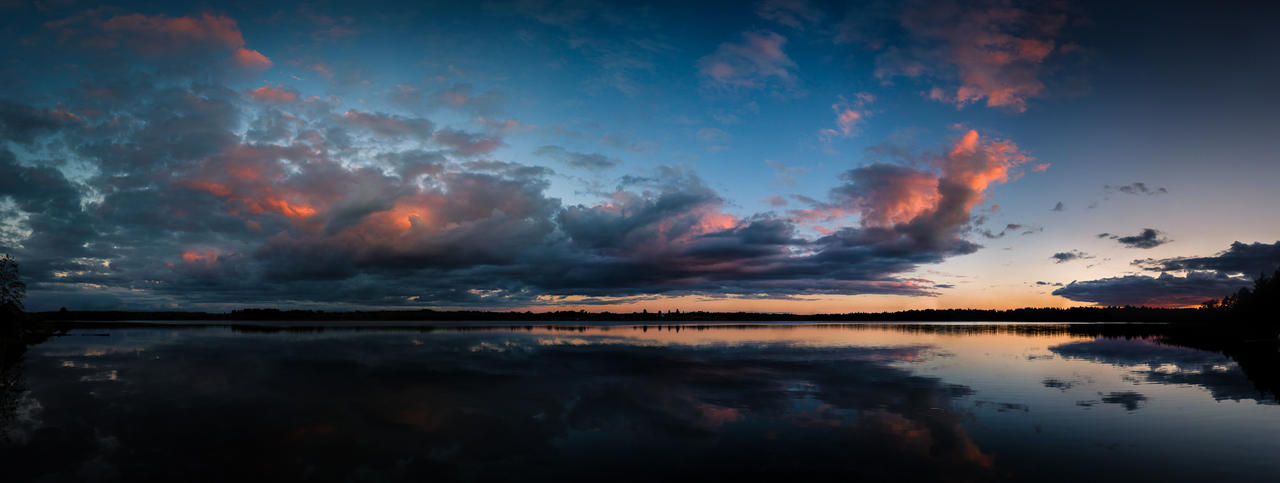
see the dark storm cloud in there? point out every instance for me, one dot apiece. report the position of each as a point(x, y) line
point(1012, 228)
point(59, 229)
point(1245, 259)
point(1130, 400)
point(1166, 290)
point(22, 124)
point(1063, 257)
point(1136, 188)
point(1207, 278)
point(1147, 238)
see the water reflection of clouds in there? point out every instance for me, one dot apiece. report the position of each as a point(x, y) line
point(282, 406)
point(1153, 362)
point(620, 404)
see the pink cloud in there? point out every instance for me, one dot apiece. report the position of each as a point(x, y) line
point(278, 94)
point(178, 31)
point(849, 115)
point(252, 59)
point(755, 62)
point(894, 194)
point(887, 194)
point(162, 35)
point(979, 163)
point(996, 53)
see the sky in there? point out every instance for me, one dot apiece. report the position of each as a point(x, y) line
point(778, 156)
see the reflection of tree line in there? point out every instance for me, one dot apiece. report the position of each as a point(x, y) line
point(13, 347)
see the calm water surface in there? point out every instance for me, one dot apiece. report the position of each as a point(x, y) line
point(632, 403)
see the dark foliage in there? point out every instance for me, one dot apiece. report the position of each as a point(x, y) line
point(12, 290)
point(1258, 305)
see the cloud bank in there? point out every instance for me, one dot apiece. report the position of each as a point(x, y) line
point(1205, 278)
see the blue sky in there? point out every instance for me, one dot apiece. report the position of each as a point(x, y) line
point(779, 155)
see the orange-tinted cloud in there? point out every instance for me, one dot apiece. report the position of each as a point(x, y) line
point(200, 259)
point(850, 114)
point(888, 194)
point(980, 164)
point(162, 35)
point(277, 94)
point(179, 31)
point(253, 182)
point(994, 54)
point(252, 59)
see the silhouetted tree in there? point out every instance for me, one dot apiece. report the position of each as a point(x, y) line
point(1257, 304)
point(12, 290)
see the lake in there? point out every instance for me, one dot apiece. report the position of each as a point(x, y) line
point(939, 402)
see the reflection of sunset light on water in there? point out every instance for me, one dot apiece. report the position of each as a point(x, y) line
point(817, 336)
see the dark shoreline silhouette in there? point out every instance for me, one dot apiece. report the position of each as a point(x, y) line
point(1075, 314)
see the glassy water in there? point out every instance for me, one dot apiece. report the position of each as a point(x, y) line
point(878, 402)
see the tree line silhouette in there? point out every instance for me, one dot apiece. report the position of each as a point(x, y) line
point(1256, 305)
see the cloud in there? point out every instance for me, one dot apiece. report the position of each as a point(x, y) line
point(618, 141)
point(711, 135)
point(208, 197)
point(392, 126)
point(1136, 188)
point(1063, 257)
point(1163, 291)
point(849, 116)
point(181, 38)
point(887, 194)
point(280, 94)
point(1148, 238)
point(252, 59)
point(462, 97)
point(22, 124)
point(1205, 278)
point(937, 202)
point(1012, 228)
point(994, 53)
point(1129, 399)
point(466, 143)
point(1247, 259)
point(786, 175)
point(758, 61)
point(587, 161)
point(797, 14)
